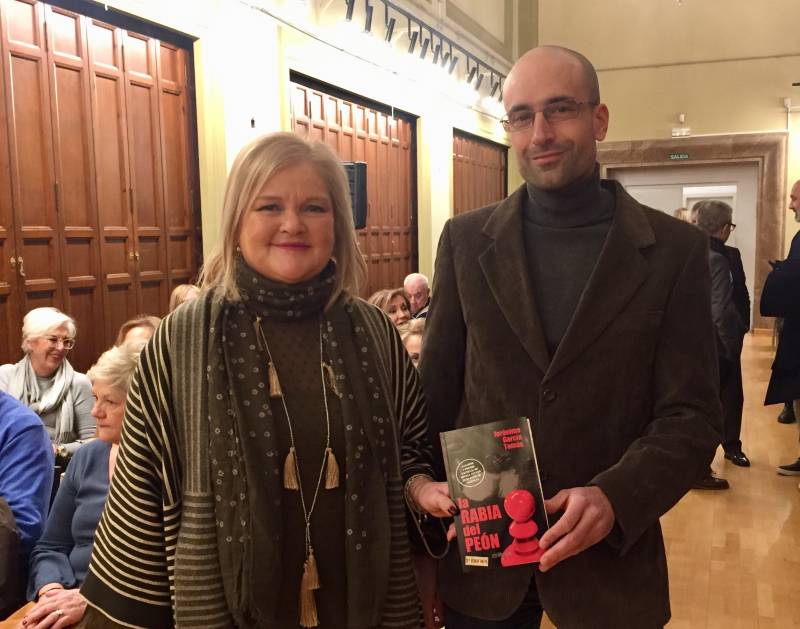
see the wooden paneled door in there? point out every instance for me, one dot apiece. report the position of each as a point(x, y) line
point(96, 199)
point(479, 172)
point(360, 132)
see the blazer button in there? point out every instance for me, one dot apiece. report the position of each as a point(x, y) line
point(549, 395)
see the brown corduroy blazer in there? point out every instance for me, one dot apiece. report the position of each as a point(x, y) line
point(629, 401)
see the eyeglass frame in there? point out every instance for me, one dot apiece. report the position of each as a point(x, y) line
point(578, 104)
point(66, 343)
point(732, 226)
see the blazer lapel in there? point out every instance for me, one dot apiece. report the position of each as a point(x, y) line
point(505, 267)
point(620, 270)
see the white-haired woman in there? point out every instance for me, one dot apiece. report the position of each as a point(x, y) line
point(273, 425)
point(61, 556)
point(45, 381)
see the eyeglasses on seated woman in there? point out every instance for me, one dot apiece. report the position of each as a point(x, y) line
point(45, 381)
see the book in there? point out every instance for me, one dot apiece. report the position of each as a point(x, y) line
point(494, 481)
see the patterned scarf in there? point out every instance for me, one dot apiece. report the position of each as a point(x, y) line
point(25, 387)
point(249, 535)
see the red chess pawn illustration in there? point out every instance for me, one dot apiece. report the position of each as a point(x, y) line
point(520, 505)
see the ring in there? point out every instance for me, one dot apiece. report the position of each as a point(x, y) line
point(59, 613)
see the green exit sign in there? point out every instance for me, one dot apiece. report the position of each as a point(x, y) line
point(678, 156)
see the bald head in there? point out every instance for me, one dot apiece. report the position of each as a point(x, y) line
point(588, 75)
point(794, 200)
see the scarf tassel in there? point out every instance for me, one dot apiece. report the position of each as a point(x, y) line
point(290, 480)
point(331, 470)
point(274, 384)
point(309, 583)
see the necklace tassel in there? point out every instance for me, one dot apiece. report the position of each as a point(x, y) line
point(309, 583)
point(331, 470)
point(290, 480)
point(274, 384)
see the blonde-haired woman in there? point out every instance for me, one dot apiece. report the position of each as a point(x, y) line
point(394, 303)
point(275, 422)
point(412, 334)
point(61, 556)
point(181, 294)
point(46, 383)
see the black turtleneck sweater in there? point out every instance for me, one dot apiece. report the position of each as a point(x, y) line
point(565, 231)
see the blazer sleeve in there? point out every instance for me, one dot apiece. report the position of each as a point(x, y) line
point(679, 442)
point(444, 350)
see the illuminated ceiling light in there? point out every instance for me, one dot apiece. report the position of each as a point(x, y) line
point(368, 17)
point(350, 6)
point(389, 30)
point(413, 43)
point(425, 45)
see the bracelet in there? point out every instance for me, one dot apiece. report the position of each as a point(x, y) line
point(412, 504)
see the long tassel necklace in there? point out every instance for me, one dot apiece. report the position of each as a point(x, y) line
point(329, 468)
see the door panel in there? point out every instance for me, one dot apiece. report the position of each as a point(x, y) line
point(117, 247)
point(74, 171)
point(144, 149)
point(31, 154)
point(10, 316)
point(177, 178)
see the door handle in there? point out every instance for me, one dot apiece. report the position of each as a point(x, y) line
point(13, 262)
point(21, 266)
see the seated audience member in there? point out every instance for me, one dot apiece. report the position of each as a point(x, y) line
point(26, 474)
point(139, 328)
point(681, 214)
point(394, 303)
point(60, 559)
point(412, 334)
point(182, 293)
point(419, 294)
point(45, 382)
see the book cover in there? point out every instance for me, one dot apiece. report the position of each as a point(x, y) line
point(494, 481)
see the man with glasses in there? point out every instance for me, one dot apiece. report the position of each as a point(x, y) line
point(574, 305)
point(731, 323)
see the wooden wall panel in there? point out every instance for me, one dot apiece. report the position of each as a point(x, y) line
point(358, 132)
point(479, 172)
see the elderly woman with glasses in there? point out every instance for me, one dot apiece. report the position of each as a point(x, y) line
point(61, 556)
point(45, 381)
point(274, 431)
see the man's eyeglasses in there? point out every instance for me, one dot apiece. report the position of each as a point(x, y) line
point(732, 225)
point(559, 111)
point(66, 343)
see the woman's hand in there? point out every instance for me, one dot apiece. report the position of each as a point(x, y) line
point(57, 608)
point(432, 497)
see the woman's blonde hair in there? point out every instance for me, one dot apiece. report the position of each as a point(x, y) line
point(116, 365)
point(182, 293)
point(383, 298)
point(255, 164)
point(40, 321)
point(412, 327)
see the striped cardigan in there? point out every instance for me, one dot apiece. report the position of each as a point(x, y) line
point(155, 561)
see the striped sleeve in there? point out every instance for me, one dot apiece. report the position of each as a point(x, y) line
point(409, 403)
point(131, 573)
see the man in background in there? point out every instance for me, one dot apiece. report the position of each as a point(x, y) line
point(419, 294)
